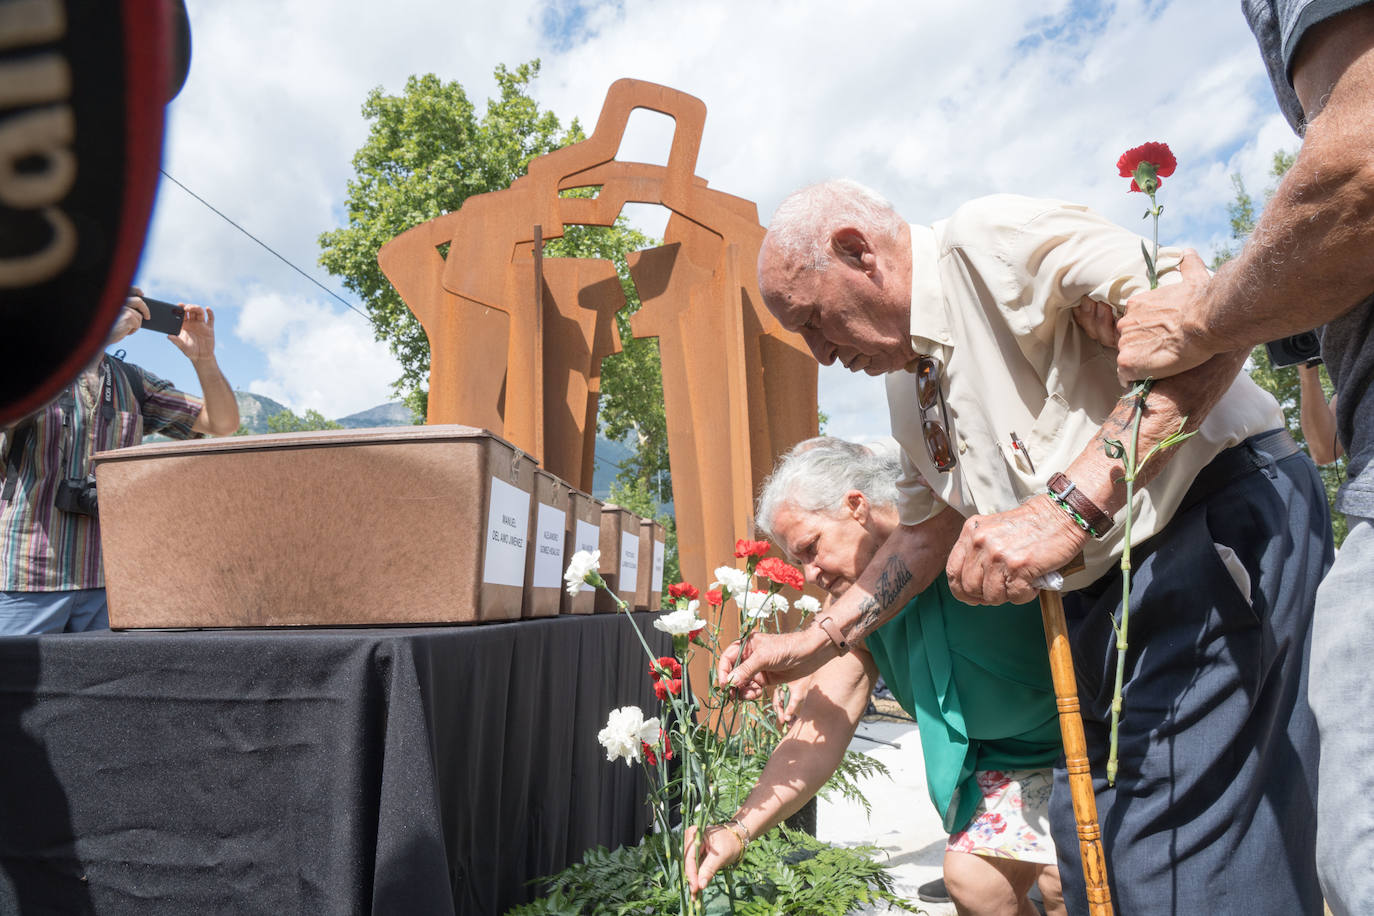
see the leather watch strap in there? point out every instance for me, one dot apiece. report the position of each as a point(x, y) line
point(1064, 490)
point(833, 631)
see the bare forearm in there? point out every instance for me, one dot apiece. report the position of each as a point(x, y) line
point(814, 745)
point(1318, 423)
point(220, 414)
point(1181, 400)
point(1311, 256)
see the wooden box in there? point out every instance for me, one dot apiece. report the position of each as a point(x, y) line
point(619, 557)
point(546, 559)
point(402, 525)
point(583, 533)
point(652, 544)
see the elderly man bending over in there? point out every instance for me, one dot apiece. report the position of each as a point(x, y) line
point(1003, 403)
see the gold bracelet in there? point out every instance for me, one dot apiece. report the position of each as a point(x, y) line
point(740, 831)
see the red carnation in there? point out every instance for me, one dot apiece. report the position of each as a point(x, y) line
point(745, 548)
point(649, 754)
point(683, 590)
point(1155, 160)
point(714, 597)
point(776, 570)
point(667, 675)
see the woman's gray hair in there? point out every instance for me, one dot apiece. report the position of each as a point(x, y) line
point(816, 474)
point(801, 226)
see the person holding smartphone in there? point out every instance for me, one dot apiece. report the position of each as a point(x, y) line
point(51, 575)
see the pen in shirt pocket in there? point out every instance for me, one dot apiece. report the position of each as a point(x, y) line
point(1018, 446)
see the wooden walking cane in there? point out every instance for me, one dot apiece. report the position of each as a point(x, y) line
point(1076, 754)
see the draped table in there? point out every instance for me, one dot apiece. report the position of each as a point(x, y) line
point(318, 771)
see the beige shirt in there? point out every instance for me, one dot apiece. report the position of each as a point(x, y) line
point(993, 289)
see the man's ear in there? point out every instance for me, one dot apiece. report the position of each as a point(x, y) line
point(856, 504)
point(852, 247)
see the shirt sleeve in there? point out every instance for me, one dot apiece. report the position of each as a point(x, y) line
point(1041, 257)
point(915, 501)
point(168, 411)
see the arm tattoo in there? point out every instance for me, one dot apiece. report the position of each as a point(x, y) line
point(894, 578)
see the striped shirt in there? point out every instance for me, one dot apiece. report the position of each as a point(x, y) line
point(42, 548)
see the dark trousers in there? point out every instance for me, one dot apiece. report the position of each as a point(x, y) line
point(1213, 810)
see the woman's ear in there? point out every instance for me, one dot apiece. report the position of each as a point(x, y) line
point(857, 505)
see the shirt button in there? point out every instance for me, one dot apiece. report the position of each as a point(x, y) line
point(963, 446)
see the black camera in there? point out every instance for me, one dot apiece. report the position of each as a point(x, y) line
point(1295, 350)
point(76, 495)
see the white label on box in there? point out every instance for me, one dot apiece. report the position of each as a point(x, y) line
point(629, 561)
point(508, 525)
point(588, 536)
point(548, 548)
point(658, 567)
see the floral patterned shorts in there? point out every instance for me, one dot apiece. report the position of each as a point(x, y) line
point(1013, 819)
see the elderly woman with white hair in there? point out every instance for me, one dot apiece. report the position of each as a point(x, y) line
point(976, 679)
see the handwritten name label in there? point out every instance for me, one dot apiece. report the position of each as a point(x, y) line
point(508, 514)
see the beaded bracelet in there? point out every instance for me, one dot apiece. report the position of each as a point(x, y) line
point(1073, 513)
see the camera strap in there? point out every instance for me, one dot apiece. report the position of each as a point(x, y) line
point(19, 436)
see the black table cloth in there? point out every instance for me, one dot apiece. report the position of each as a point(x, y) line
point(426, 770)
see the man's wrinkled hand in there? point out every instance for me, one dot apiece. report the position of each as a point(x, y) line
point(1160, 333)
point(998, 557)
point(766, 659)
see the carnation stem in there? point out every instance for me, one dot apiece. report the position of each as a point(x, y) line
point(1131, 470)
point(1121, 643)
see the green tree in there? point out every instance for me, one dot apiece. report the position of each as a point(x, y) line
point(426, 152)
point(1281, 382)
point(288, 422)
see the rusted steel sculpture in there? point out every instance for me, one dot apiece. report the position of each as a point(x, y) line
point(517, 339)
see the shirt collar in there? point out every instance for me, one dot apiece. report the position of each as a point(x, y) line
point(930, 332)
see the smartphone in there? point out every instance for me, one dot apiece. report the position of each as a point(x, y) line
point(163, 316)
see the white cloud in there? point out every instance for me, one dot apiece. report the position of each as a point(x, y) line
point(961, 100)
point(318, 358)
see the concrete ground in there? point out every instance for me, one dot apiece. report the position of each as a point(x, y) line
point(903, 823)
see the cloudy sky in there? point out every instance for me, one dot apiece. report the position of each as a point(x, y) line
point(932, 103)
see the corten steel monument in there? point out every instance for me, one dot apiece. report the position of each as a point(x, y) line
point(517, 339)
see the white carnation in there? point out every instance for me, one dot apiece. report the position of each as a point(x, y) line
point(582, 563)
point(761, 604)
point(736, 581)
point(807, 604)
point(625, 729)
point(680, 623)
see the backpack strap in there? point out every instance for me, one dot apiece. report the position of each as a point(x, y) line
point(133, 377)
point(19, 438)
